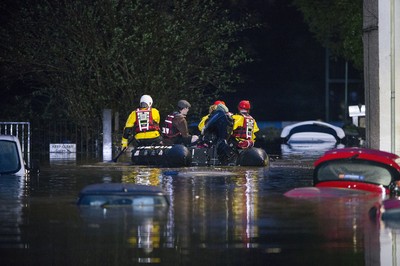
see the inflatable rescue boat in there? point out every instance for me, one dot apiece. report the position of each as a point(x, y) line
point(179, 155)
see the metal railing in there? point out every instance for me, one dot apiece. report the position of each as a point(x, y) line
point(21, 130)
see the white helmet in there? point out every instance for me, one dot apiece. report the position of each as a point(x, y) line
point(146, 101)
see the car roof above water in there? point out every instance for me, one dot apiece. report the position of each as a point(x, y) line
point(105, 188)
point(122, 194)
point(387, 158)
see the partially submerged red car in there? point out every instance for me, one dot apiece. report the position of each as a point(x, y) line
point(360, 169)
point(353, 170)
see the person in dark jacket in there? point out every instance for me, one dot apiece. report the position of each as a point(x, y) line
point(217, 131)
point(175, 130)
point(211, 109)
point(219, 123)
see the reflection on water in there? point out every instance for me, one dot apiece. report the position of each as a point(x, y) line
point(62, 158)
point(142, 176)
point(13, 192)
point(139, 231)
point(389, 243)
point(217, 216)
point(307, 149)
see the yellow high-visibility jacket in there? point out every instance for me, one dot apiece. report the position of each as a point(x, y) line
point(146, 128)
point(239, 125)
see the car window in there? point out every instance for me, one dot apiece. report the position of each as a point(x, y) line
point(354, 170)
point(9, 162)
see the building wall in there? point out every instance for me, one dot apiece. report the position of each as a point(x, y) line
point(396, 45)
point(371, 69)
point(381, 39)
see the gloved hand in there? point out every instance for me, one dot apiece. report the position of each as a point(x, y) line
point(244, 144)
point(194, 138)
point(124, 143)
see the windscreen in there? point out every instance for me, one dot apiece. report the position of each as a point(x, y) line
point(9, 162)
point(354, 170)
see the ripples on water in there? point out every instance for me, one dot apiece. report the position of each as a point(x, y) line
point(218, 216)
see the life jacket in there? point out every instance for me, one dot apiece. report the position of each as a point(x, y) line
point(245, 131)
point(168, 130)
point(144, 121)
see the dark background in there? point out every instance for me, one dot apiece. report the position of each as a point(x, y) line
point(287, 81)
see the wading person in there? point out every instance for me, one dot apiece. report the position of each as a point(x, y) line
point(143, 124)
point(175, 130)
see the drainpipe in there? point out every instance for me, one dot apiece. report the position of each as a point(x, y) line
point(327, 118)
point(346, 81)
point(392, 77)
point(107, 140)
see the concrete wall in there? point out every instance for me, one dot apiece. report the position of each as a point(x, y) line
point(381, 37)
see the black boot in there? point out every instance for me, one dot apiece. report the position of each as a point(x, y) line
point(226, 154)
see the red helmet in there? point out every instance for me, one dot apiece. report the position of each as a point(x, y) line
point(219, 102)
point(244, 105)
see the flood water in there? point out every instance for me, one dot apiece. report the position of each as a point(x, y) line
point(217, 216)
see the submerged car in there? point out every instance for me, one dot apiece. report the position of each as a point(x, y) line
point(141, 197)
point(353, 169)
point(311, 132)
point(310, 138)
point(358, 168)
point(11, 158)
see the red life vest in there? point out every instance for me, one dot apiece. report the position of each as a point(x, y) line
point(144, 121)
point(168, 130)
point(245, 131)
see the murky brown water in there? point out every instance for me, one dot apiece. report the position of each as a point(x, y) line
point(218, 216)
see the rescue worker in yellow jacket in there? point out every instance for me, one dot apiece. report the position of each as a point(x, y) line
point(143, 124)
point(244, 126)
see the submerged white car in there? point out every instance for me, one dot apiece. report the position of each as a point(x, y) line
point(312, 132)
point(11, 158)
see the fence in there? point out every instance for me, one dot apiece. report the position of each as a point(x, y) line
point(87, 137)
point(36, 136)
point(21, 130)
